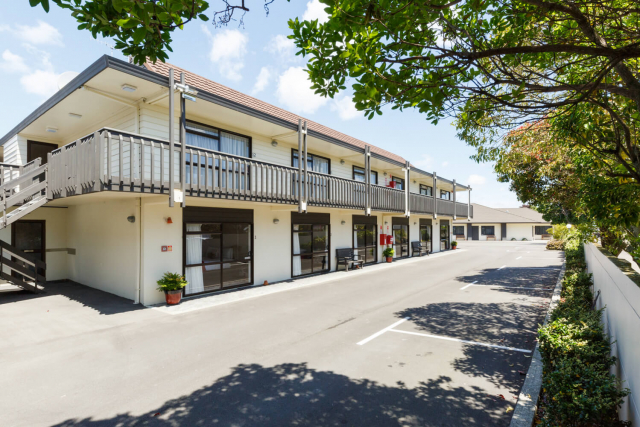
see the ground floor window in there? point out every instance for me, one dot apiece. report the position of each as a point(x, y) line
point(425, 236)
point(310, 252)
point(444, 236)
point(458, 230)
point(364, 242)
point(217, 256)
point(401, 240)
point(542, 229)
point(488, 230)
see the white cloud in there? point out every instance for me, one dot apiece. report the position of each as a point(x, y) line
point(40, 82)
point(294, 91)
point(262, 80)
point(228, 48)
point(315, 10)
point(41, 34)
point(425, 162)
point(281, 46)
point(13, 63)
point(476, 179)
point(346, 108)
point(445, 164)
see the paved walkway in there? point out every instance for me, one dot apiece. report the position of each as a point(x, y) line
point(438, 341)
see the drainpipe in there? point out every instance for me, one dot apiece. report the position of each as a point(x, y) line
point(454, 199)
point(138, 253)
point(171, 137)
point(435, 195)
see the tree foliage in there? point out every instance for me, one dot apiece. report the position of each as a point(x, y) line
point(142, 29)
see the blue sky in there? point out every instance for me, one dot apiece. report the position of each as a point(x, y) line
point(36, 47)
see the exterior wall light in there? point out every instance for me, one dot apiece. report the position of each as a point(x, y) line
point(341, 161)
point(128, 88)
point(274, 143)
point(343, 222)
point(131, 218)
point(276, 220)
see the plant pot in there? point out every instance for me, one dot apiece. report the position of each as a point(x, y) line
point(389, 259)
point(454, 247)
point(173, 297)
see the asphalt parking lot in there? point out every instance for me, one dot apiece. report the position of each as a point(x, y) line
point(440, 341)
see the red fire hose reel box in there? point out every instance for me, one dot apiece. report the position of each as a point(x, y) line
point(383, 239)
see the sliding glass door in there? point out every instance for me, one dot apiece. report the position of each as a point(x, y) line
point(217, 256)
point(444, 235)
point(365, 242)
point(310, 249)
point(425, 236)
point(401, 240)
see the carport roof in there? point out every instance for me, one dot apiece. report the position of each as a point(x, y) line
point(485, 214)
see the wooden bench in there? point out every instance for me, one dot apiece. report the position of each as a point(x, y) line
point(419, 247)
point(491, 237)
point(460, 237)
point(546, 237)
point(347, 257)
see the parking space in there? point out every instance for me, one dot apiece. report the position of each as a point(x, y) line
point(437, 342)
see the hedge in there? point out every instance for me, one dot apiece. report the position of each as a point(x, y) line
point(577, 388)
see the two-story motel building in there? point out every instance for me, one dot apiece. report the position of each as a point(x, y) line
point(117, 178)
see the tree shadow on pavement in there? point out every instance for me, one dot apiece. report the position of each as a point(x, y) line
point(515, 277)
point(293, 394)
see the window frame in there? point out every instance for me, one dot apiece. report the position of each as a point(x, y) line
point(374, 245)
point(425, 186)
point(535, 229)
point(310, 156)
point(453, 230)
point(312, 253)
point(221, 262)
point(394, 178)
point(195, 132)
point(483, 227)
point(353, 174)
point(443, 192)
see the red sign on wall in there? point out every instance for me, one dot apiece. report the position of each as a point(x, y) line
point(167, 248)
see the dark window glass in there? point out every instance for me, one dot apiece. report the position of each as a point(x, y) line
point(314, 163)
point(458, 230)
point(364, 242)
point(425, 190)
point(211, 138)
point(210, 246)
point(320, 238)
point(37, 149)
point(212, 277)
point(399, 182)
point(542, 229)
point(401, 241)
point(487, 230)
point(236, 273)
point(236, 243)
point(310, 252)
point(358, 175)
point(445, 195)
point(444, 237)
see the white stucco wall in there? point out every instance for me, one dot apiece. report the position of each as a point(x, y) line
point(621, 297)
point(106, 245)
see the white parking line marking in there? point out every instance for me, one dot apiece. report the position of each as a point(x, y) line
point(470, 284)
point(377, 334)
point(502, 267)
point(519, 257)
point(462, 341)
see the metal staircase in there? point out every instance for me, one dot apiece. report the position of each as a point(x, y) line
point(23, 189)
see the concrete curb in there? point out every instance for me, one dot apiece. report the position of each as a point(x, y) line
point(527, 402)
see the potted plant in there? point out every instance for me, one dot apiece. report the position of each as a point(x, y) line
point(454, 245)
point(171, 284)
point(388, 253)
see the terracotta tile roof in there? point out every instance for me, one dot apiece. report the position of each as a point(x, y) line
point(214, 88)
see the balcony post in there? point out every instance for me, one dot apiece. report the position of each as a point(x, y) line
point(367, 180)
point(454, 199)
point(302, 159)
point(407, 180)
point(171, 136)
point(183, 143)
point(306, 166)
point(435, 198)
point(469, 206)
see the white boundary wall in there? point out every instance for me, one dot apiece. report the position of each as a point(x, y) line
point(621, 297)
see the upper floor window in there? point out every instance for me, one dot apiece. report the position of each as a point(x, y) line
point(315, 163)
point(397, 183)
point(425, 190)
point(446, 195)
point(211, 138)
point(358, 175)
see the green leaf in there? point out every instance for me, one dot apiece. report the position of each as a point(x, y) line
point(139, 34)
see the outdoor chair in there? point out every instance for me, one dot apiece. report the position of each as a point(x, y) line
point(491, 237)
point(347, 257)
point(419, 247)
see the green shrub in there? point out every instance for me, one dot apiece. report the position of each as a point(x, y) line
point(171, 282)
point(576, 355)
point(580, 394)
point(555, 245)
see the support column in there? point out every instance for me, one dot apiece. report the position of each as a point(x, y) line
point(303, 181)
point(407, 184)
point(454, 199)
point(435, 193)
point(300, 201)
point(171, 136)
point(183, 144)
point(469, 217)
point(367, 180)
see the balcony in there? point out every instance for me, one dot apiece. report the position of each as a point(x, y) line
point(110, 160)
